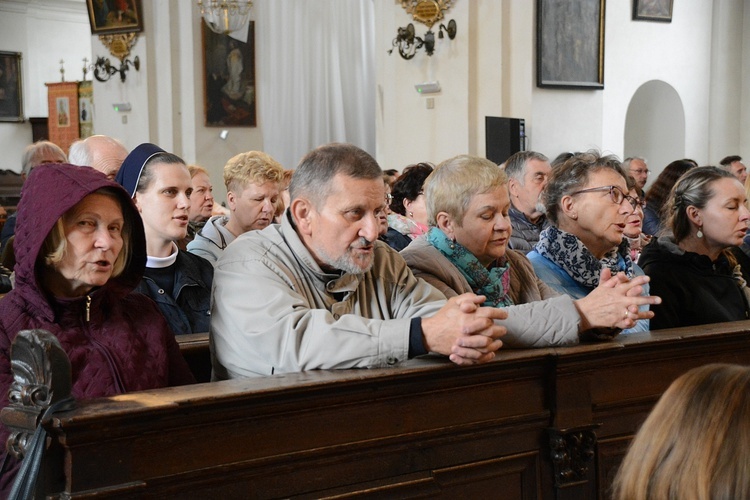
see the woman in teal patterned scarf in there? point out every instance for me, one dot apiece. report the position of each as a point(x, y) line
point(466, 250)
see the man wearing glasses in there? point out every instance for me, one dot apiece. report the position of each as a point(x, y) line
point(637, 167)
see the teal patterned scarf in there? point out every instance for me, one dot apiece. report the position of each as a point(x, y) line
point(493, 283)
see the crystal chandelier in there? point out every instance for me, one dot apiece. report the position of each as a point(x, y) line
point(225, 16)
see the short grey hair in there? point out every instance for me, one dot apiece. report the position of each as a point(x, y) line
point(455, 182)
point(34, 152)
point(313, 178)
point(626, 162)
point(80, 151)
point(573, 175)
point(515, 166)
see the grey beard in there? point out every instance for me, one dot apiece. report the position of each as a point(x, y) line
point(346, 262)
point(539, 207)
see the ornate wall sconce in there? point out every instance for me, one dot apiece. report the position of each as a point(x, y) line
point(427, 12)
point(119, 45)
point(103, 69)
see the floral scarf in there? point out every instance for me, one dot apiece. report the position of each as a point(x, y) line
point(493, 283)
point(406, 226)
point(568, 252)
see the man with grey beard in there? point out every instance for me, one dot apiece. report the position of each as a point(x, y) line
point(319, 291)
point(527, 177)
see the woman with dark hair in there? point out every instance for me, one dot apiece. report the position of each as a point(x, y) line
point(178, 281)
point(80, 258)
point(658, 193)
point(692, 269)
point(409, 215)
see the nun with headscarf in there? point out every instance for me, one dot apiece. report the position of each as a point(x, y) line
point(178, 281)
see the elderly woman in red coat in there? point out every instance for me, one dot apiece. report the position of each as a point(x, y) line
point(81, 251)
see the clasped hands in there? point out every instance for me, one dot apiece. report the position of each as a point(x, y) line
point(464, 330)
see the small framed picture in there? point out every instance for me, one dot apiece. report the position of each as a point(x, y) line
point(11, 87)
point(652, 10)
point(115, 16)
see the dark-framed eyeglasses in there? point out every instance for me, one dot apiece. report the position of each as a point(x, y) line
point(616, 194)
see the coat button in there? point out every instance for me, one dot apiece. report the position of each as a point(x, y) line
point(391, 361)
point(336, 316)
point(161, 291)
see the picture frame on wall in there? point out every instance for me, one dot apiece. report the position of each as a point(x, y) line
point(229, 79)
point(11, 87)
point(108, 17)
point(570, 44)
point(653, 10)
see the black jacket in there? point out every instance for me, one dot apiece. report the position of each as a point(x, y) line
point(694, 290)
point(189, 310)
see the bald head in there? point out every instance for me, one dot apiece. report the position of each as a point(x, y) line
point(101, 152)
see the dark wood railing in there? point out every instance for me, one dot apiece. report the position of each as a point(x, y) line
point(546, 423)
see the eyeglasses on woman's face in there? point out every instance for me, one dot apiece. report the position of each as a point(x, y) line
point(616, 194)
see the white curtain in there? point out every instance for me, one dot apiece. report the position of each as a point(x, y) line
point(315, 75)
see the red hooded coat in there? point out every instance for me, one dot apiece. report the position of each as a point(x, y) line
point(126, 344)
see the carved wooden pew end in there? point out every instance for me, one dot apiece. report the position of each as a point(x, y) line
point(41, 378)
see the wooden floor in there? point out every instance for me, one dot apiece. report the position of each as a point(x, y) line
point(545, 423)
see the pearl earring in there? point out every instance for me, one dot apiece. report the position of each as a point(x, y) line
point(453, 244)
point(411, 214)
point(699, 234)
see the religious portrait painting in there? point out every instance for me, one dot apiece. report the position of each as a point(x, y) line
point(63, 112)
point(229, 78)
point(11, 95)
point(114, 16)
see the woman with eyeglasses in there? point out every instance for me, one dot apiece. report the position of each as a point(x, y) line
point(692, 269)
point(637, 239)
point(588, 205)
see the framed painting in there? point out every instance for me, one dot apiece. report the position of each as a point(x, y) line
point(570, 44)
point(229, 79)
point(652, 10)
point(115, 16)
point(11, 87)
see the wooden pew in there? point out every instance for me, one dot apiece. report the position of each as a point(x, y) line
point(547, 423)
point(194, 348)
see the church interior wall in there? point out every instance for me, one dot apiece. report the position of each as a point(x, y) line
point(489, 69)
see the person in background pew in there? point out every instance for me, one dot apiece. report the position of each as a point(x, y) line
point(38, 153)
point(319, 291)
point(633, 233)
point(80, 258)
point(252, 181)
point(201, 203)
point(100, 152)
point(284, 194)
point(692, 269)
point(466, 250)
point(695, 443)
point(178, 281)
point(408, 214)
point(588, 205)
point(658, 193)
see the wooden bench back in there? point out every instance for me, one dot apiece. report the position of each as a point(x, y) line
point(549, 423)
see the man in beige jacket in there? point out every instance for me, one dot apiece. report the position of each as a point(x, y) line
point(319, 291)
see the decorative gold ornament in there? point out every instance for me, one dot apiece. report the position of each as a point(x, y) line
point(427, 12)
point(119, 45)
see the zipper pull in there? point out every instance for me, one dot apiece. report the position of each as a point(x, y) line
point(88, 308)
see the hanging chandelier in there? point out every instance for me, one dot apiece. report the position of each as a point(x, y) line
point(225, 16)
